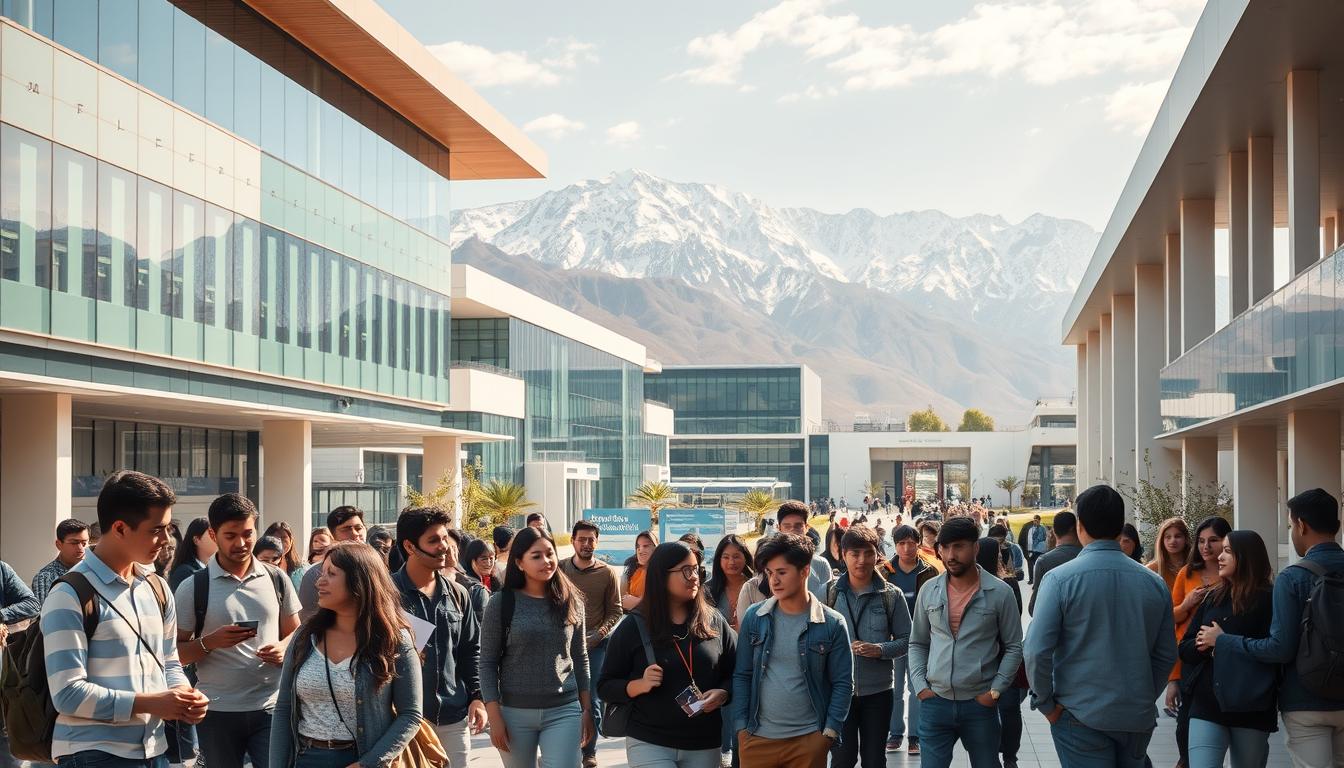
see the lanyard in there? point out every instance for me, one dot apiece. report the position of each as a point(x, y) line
point(688, 658)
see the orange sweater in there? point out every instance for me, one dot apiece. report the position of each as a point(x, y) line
point(1186, 581)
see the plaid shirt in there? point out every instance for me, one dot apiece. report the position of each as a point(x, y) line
point(94, 684)
point(44, 578)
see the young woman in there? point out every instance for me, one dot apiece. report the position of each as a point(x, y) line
point(270, 550)
point(350, 685)
point(1241, 604)
point(732, 568)
point(480, 560)
point(1173, 550)
point(289, 560)
point(164, 561)
point(319, 541)
point(1199, 575)
point(1130, 544)
point(193, 553)
point(632, 578)
point(831, 552)
point(534, 667)
point(695, 650)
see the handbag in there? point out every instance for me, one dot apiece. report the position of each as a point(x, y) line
point(616, 717)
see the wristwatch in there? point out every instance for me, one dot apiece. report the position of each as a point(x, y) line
point(993, 694)
point(831, 734)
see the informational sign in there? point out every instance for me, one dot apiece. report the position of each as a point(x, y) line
point(619, 527)
point(710, 524)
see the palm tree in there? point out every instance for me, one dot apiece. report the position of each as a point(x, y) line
point(1010, 484)
point(497, 502)
point(757, 504)
point(656, 495)
point(874, 489)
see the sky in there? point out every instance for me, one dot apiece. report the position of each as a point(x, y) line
point(1008, 107)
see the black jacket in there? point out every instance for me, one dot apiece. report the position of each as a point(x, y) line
point(1197, 667)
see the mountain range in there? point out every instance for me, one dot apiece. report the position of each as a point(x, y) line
point(894, 312)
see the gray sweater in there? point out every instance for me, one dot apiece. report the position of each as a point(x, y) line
point(545, 664)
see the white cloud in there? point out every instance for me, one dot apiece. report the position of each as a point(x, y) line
point(810, 93)
point(1133, 106)
point(554, 125)
point(623, 133)
point(484, 68)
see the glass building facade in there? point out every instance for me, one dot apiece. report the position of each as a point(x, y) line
point(784, 460)
point(193, 461)
point(819, 467)
point(731, 401)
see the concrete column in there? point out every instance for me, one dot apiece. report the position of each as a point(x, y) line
point(35, 462)
point(1197, 279)
point(403, 479)
point(443, 454)
point(1124, 462)
point(1255, 488)
point(1081, 399)
point(287, 476)
point(1329, 237)
point(1148, 362)
point(1199, 461)
point(1107, 400)
point(1313, 452)
point(1260, 216)
point(1304, 169)
point(1093, 407)
point(1172, 315)
point(1239, 261)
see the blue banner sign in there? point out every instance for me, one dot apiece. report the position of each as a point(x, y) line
point(710, 524)
point(618, 527)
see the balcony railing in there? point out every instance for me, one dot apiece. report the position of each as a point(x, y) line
point(487, 368)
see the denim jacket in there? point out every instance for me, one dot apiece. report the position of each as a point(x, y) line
point(984, 654)
point(829, 665)
point(386, 719)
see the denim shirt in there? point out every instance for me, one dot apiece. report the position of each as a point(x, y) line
point(1102, 640)
point(1291, 590)
point(865, 615)
point(985, 653)
point(452, 656)
point(828, 663)
point(386, 718)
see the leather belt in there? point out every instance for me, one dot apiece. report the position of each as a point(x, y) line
point(325, 744)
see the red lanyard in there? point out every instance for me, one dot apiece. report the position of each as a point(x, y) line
point(690, 651)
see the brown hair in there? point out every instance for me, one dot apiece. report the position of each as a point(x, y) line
point(1166, 563)
point(1254, 574)
point(290, 556)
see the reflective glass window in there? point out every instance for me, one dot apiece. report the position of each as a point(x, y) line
point(296, 124)
point(213, 276)
point(25, 202)
point(74, 246)
point(303, 283)
point(273, 108)
point(188, 255)
point(347, 289)
point(188, 61)
point(118, 37)
point(117, 260)
point(155, 46)
point(155, 237)
point(76, 26)
point(326, 298)
point(33, 14)
point(219, 68)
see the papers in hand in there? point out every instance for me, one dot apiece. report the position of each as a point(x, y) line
point(420, 629)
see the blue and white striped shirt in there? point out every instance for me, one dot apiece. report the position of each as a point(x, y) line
point(94, 681)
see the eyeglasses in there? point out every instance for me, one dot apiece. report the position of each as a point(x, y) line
point(688, 572)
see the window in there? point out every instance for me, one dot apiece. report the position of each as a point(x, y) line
point(118, 266)
point(188, 69)
point(118, 37)
point(25, 197)
point(74, 232)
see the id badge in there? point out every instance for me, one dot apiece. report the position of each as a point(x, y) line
point(690, 700)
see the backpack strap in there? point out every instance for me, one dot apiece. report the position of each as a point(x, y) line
point(87, 596)
point(638, 618)
point(200, 596)
point(160, 589)
point(1314, 568)
point(831, 592)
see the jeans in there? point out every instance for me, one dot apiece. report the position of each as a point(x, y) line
point(228, 737)
point(900, 702)
point(596, 655)
point(641, 754)
point(943, 721)
point(1010, 721)
point(323, 758)
point(1081, 747)
point(456, 739)
point(555, 731)
point(865, 732)
point(1315, 739)
point(1209, 743)
point(92, 758)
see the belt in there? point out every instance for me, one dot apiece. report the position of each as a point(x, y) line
point(325, 744)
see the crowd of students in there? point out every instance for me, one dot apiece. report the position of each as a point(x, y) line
point(389, 645)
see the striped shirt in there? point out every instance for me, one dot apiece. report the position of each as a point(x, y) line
point(94, 681)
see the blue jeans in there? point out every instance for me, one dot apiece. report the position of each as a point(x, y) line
point(1081, 747)
point(596, 655)
point(943, 721)
point(1209, 743)
point(92, 758)
point(227, 738)
point(323, 758)
point(555, 731)
point(899, 702)
point(641, 754)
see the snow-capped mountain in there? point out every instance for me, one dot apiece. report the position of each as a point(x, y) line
point(1016, 278)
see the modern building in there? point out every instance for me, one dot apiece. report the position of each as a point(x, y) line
point(740, 421)
point(223, 243)
point(1244, 163)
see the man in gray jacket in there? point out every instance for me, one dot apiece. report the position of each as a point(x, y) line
point(963, 620)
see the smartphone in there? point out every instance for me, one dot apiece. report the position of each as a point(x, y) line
point(252, 625)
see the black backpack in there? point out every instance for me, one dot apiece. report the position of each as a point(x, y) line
point(30, 715)
point(1320, 652)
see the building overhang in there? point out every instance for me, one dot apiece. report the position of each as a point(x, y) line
point(1230, 85)
point(367, 45)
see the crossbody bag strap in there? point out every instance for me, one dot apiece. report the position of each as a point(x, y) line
point(133, 628)
point(326, 664)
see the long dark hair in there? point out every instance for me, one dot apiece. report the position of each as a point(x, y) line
point(718, 580)
point(656, 607)
point(1132, 533)
point(290, 556)
point(562, 593)
point(1219, 525)
point(1254, 573)
point(186, 548)
point(378, 621)
point(632, 563)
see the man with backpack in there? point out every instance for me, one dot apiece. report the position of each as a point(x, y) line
point(879, 631)
point(238, 614)
point(1308, 594)
point(108, 640)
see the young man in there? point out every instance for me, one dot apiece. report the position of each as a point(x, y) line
point(346, 523)
point(251, 609)
point(1067, 547)
point(538, 521)
point(878, 619)
point(792, 690)
point(1099, 651)
point(963, 620)
point(1035, 547)
point(602, 609)
point(113, 691)
point(451, 681)
point(792, 517)
point(1314, 724)
point(909, 573)
point(72, 538)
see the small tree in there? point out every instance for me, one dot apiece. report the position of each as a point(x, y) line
point(756, 504)
point(497, 503)
point(976, 420)
point(1155, 503)
point(1009, 484)
point(464, 507)
point(873, 489)
point(656, 496)
point(926, 421)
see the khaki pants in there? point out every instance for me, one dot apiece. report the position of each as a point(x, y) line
point(806, 751)
point(1315, 739)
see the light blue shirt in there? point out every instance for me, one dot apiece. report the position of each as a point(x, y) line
point(1102, 641)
